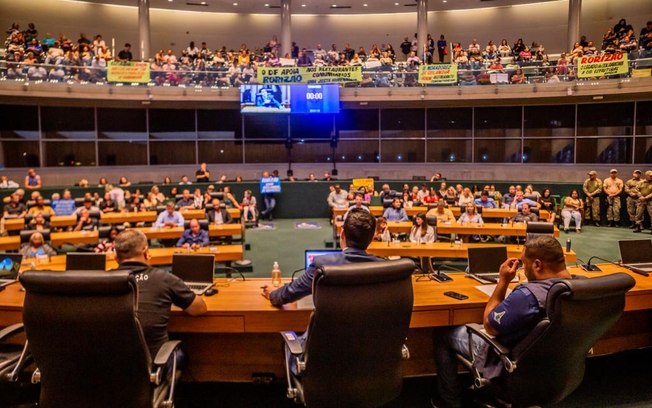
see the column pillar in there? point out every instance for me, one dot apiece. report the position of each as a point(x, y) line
point(143, 29)
point(422, 26)
point(286, 28)
point(574, 12)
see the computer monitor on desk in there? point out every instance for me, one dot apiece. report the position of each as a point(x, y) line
point(9, 267)
point(82, 261)
point(312, 253)
point(484, 262)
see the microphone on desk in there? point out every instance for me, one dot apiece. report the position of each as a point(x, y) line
point(442, 277)
point(593, 268)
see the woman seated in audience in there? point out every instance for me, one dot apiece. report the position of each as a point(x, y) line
point(36, 247)
point(382, 230)
point(530, 193)
point(248, 206)
point(470, 216)
point(198, 199)
point(229, 199)
point(432, 197)
point(451, 195)
point(548, 203)
point(465, 198)
point(573, 208)
point(504, 50)
point(83, 183)
point(103, 182)
point(562, 64)
point(421, 232)
point(38, 223)
point(518, 77)
point(108, 205)
point(160, 197)
point(136, 205)
point(407, 200)
point(124, 182)
point(107, 245)
point(167, 180)
point(525, 55)
point(490, 51)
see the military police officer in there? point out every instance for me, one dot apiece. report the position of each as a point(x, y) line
point(644, 190)
point(592, 188)
point(632, 196)
point(613, 188)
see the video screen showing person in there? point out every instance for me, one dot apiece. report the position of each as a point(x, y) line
point(265, 98)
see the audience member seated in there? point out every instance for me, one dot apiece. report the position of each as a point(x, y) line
point(184, 180)
point(485, 201)
point(395, 212)
point(229, 199)
point(548, 203)
point(198, 199)
point(88, 206)
point(443, 214)
point(194, 237)
point(218, 215)
point(573, 208)
point(186, 202)
point(169, 218)
point(136, 205)
point(85, 222)
point(470, 216)
point(519, 199)
point(32, 180)
point(337, 198)
point(14, 209)
point(357, 204)
point(38, 223)
point(107, 245)
point(421, 232)
point(6, 183)
point(249, 206)
point(525, 215)
point(465, 198)
point(382, 230)
point(36, 247)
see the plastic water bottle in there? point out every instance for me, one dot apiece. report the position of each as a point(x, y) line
point(568, 245)
point(276, 275)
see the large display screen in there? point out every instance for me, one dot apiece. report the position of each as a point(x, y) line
point(301, 99)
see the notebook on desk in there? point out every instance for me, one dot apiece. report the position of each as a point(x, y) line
point(636, 254)
point(85, 261)
point(9, 268)
point(484, 263)
point(195, 270)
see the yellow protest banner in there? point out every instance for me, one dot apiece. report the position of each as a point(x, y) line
point(641, 72)
point(596, 66)
point(309, 75)
point(367, 184)
point(128, 72)
point(438, 74)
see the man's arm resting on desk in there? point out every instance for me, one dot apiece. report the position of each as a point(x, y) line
point(293, 291)
point(197, 307)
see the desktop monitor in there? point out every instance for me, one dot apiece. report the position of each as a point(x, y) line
point(82, 261)
point(486, 259)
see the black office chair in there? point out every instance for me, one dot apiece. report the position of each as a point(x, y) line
point(219, 195)
point(79, 201)
point(352, 354)
point(30, 217)
point(160, 209)
point(87, 343)
point(25, 235)
point(105, 230)
point(534, 229)
point(14, 357)
point(203, 224)
point(549, 363)
point(387, 202)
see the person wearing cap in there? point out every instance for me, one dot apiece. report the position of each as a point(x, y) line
point(613, 187)
point(644, 194)
point(88, 205)
point(592, 188)
point(632, 197)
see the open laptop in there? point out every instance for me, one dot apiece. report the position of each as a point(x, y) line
point(195, 270)
point(9, 268)
point(85, 261)
point(636, 254)
point(312, 253)
point(484, 263)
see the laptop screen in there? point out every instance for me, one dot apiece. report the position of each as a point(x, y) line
point(81, 261)
point(486, 259)
point(312, 253)
point(635, 250)
point(10, 265)
point(194, 267)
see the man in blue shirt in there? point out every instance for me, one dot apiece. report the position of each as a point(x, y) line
point(396, 212)
point(194, 237)
point(169, 218)
point(357, 232)
point(519, 200)
point(186, 201)
point(485, 201)
point(510, 319)
point(64, 206)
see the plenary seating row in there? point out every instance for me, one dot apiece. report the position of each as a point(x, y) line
point(350, 356)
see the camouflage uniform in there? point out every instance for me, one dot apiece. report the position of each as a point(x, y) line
point(612, 186)
point(644, 190)
point(632, 198)
point(593, 187)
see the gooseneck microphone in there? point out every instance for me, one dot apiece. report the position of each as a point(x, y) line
point(441, 277)
point(614, 263)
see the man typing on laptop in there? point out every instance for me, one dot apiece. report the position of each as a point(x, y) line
point(157, 289)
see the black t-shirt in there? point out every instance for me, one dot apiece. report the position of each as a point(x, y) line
point(158, 290)
point(201, 178)
point(17, 209)
point(125, 55)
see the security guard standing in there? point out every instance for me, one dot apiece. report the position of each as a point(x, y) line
point(644, 190)
point(613, 188)
point(632, 196)
point(592, 188)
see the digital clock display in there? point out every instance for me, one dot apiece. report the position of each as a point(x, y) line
point(299, 99)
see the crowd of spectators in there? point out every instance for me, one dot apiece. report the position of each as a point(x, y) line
point(46, 57)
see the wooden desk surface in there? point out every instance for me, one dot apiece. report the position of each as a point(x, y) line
point(10, 243)
point(241, 321)
point(63, 220)
point(377, 210)
point(74, 237)
point(122, 217)
point(443, 250)
point(14, 224)
point(488, 228)
point(176, 232)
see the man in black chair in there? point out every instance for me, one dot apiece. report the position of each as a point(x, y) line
point(509, 319)
point(357, 233)
point(157, 289)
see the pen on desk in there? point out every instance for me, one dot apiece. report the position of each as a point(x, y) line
point(263, 287)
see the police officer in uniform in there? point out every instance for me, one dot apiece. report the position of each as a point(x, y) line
point(632, 196)
point(644, 190)
point(592, 188)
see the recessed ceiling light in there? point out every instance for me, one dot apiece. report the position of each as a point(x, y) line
point(444, 1)
point(203, 3)
point(303, 5)
point(235, 4)
point(396, 4)
point(170, 1)
point(365, 5)
point(334, 5)
point(266, 4)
